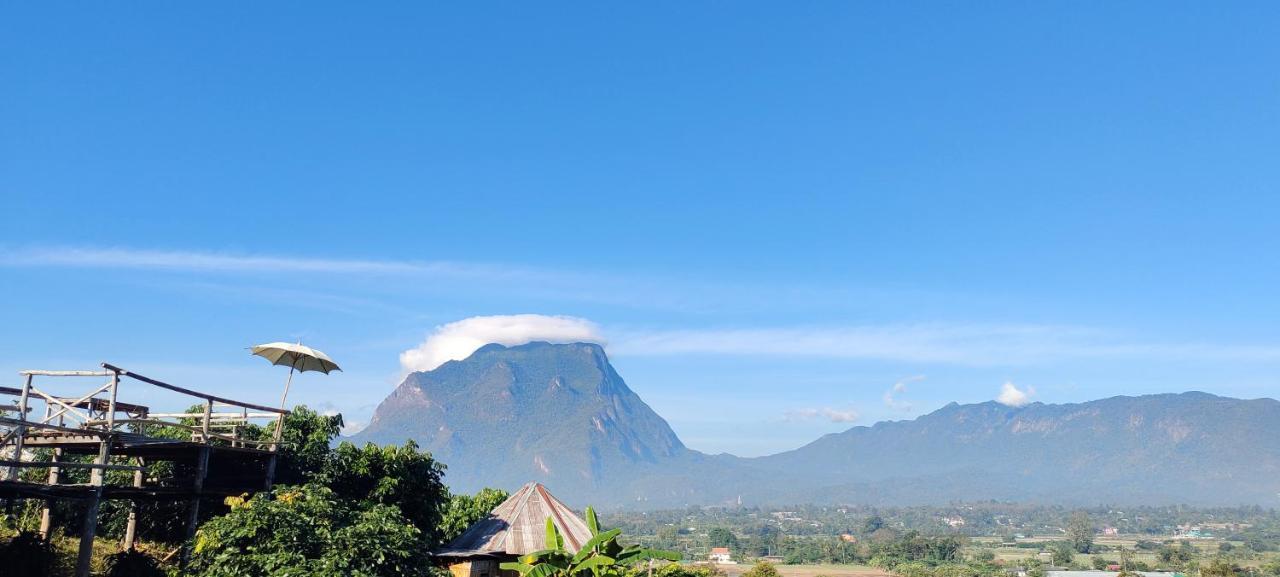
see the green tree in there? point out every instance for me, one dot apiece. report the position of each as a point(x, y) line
point(304, 444)
point(1063, 554)
point(401, 476)
point(308, 530)
point(1080, 531)
point(464, 510)
point(722, 537)
point(1219, 568)
point(762, 569)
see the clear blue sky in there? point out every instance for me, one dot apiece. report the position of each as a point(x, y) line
point(773, 212)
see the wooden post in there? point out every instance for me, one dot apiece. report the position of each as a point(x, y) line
point(208, 415)
point(21, 429)
point(46, 515)
point(90, 527)
point(111, 403)
point(275, 451)
point(193, 515)
point(131, 527)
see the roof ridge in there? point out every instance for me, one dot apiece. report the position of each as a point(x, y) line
point(519, 507)
point(552, 503)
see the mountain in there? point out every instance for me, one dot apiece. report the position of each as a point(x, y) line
point(560, 415)
point(1169, 448)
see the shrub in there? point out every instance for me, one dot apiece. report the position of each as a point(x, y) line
point(133, 563)
point(27, 554)
point(762, 569)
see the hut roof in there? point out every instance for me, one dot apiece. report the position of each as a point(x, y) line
point(519, 526)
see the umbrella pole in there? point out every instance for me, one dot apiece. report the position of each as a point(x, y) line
point(287, 382)
point(280, 421)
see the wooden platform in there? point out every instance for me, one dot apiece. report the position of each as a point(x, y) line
point(216, 459)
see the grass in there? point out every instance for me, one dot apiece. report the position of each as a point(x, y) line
point(1208, 548)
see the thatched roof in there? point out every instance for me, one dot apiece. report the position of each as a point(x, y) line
point(519, 526)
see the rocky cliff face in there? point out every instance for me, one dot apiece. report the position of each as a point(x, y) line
point(504, 416)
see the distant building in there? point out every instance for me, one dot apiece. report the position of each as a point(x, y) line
point(847, 538)
point(956, 521)
point(721, 556)
point(516, 527)
point(1110, 531)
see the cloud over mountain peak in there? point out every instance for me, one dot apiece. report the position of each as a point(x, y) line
point(457, 340)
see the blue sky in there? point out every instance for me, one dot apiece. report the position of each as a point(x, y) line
point(773, 213)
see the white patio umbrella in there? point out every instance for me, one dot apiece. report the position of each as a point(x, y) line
point(298, 358)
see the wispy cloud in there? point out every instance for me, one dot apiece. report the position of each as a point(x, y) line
point(893, 397)
point(956, 344)
point(128, 258)
point(827, 413)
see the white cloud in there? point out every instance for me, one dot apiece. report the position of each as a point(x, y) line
point(94, 257)
point(892, 397)
point(1012, 396)
point(457, 340)
point(828, 413)
point(956, 344)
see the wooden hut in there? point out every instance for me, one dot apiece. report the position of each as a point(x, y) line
point(516, 527)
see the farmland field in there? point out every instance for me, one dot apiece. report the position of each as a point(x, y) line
point(811, 570)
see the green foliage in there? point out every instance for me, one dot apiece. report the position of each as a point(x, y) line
point(1080, 531)
point(464, 510)
point(1176, 556)
point(1220, 568)
point(721, 537)
point(133, 563)
point(762, 569)
point(401, 476)
point(305, 443)
point(677, 570)
point(1063, 553)
point(601, 556)
point(308, 531)
point(914, 547)
point(27, 554)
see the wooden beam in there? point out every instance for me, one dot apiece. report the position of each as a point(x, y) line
point(192, 393)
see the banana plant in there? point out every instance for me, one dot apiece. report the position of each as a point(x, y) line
point(600, 556)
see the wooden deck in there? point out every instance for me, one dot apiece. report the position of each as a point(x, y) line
point(217, 457)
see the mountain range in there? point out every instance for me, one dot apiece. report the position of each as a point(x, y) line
point(561, 415)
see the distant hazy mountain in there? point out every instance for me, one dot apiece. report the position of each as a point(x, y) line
point(561, 415)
